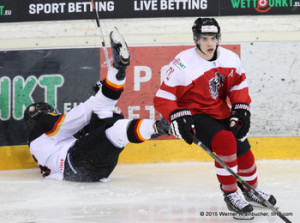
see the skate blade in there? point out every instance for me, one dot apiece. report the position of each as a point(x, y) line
point(117, 38)
point(257, 205)
point(243, 216)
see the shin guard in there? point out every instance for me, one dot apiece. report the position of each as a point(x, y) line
point(224, 145)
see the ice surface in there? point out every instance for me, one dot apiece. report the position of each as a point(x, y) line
point(172, 192)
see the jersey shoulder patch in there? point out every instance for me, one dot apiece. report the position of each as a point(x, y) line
point(177, 62)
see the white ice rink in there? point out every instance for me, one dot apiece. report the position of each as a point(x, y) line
point(173, 192)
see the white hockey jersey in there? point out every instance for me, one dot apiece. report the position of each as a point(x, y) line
point(52, 137)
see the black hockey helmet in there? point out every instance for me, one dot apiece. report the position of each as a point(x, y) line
point(206, 26)
point(34, 111)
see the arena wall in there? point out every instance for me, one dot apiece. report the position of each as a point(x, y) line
point(270, 53)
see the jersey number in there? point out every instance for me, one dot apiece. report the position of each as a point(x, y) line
point(169, 72)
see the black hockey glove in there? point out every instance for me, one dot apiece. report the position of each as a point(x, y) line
point(240, 120)
point(161, 127)
point(182, 125)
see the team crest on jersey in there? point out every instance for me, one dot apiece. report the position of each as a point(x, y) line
point(178, 63)
point(215, 84)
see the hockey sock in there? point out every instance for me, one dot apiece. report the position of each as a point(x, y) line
point(108, 95)
point(247, 168)
point(103, 106)
point(125, 130)
point(112, 88)
point(224, 145)
point(140, 130)
point(117, 134)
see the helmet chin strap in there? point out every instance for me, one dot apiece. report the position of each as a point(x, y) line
point(199, 48)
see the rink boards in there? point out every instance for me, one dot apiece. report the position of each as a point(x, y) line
point(159, 151)
point(268, 46)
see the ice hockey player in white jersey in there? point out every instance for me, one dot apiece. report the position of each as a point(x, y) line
point(194, 99)
point(84, 144)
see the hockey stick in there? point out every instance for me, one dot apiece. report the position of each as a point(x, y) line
point(239, 179)
point(101, 34)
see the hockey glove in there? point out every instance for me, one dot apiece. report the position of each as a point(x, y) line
point(240, 120)
point(182, 125)
point(161, 127)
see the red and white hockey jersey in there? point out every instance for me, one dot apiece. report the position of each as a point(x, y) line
point(203, 86)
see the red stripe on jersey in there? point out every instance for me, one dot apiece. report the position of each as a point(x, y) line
point(57, 125)
point(165, 111)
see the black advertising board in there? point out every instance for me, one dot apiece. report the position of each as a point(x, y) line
point(169, 8)
point(259, 7)
point(61, 77)
point(8, 11)
point(40, 10)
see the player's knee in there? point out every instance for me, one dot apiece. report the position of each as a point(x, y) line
point(224, 143)
point(117, 134)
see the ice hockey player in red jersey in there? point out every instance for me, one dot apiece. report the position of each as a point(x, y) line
point(194, 99)
point(84, 144)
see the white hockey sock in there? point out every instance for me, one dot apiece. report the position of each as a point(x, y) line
point(112, 88)
point(112, 80)
point(125, 131)
point(103, 106)
point(117, 134)
point(140, 130)
point(146, 128)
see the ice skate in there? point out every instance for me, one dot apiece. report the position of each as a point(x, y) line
point(120, 52)
point(256, 201)
point(236, 204)
point(161, 127)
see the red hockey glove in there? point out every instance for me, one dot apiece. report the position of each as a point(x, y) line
point(182, 125)
point(240, 120)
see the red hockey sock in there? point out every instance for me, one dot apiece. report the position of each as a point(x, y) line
point(224, 145)
point(247, 168)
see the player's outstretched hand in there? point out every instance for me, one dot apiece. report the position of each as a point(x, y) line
point(161, 127)
point(182, 125)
